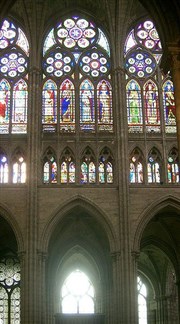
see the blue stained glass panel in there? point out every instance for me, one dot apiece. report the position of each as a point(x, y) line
point(169, 106)
point(87, 113)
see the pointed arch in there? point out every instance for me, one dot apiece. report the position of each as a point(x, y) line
point(18, 166)
point(49, 166)
point(154, 166)
point(67, 166)
point(88, 167)
point(136, 166)
point(149, 213)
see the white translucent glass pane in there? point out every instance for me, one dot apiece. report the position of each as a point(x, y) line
point(69, 305)
point(15, 172)
point(23, 172)
point(86, 305)
point(46, 172)
point(142, 308)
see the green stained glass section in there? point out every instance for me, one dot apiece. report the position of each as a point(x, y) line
point(134, 107)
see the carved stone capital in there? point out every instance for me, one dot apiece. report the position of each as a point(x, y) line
point(115, 256)
point(135, 255)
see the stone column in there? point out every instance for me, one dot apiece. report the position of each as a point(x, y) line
point(178, 293)
point(175, 67)
point(115, 311)
point(42, 287)
point(21, 256)
point(31, 280)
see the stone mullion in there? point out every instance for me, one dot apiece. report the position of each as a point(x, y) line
point(175, 55)
point(33, 145)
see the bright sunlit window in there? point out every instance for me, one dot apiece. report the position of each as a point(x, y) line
point(142, 302)
point(77, 294)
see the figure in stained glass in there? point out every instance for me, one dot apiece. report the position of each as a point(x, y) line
point(104, 102)
point(87, 102)
point(49, 102)
point(151, 103)
point(67, 101)
point(19, 114)
point(169, 103)
point(134, 102)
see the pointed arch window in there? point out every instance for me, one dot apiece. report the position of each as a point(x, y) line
point(4, 168)
point(75, 298)
point(78, 52)
point(19, 168)
point(172, 166)
point(13, 79)
point(88, 168)
point(134, 106)
point(169, 106)
point(10, 289)
point(154, 166)
point(136, 167)
point(105, 166)
point(142, 55)
point(49, 167)
point(67, 167)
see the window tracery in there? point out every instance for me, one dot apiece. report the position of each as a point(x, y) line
point(136, 167)
point(172, 166)
point(14, 52)
point(154, 166)
point(76, 49)
point(49, 167)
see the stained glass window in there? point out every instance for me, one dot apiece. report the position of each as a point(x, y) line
point(14, 52)
point(154, 166)
point(169, 107)
point(4, 170)
point(104, 104)
point(105, 166)
point(49, 167)
point(75, 298)
point(9, 290)
point(172, 166)
point(67, 167)
point(49, 104)
point(151, 106)
point(143, 40)
point(77, 49)
point(88, 168)
point(67, 105)
point(19, 168)
point(134, 106)
point(19, 109)
point(136, 167)
point(87, 113)
point(142, 54)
